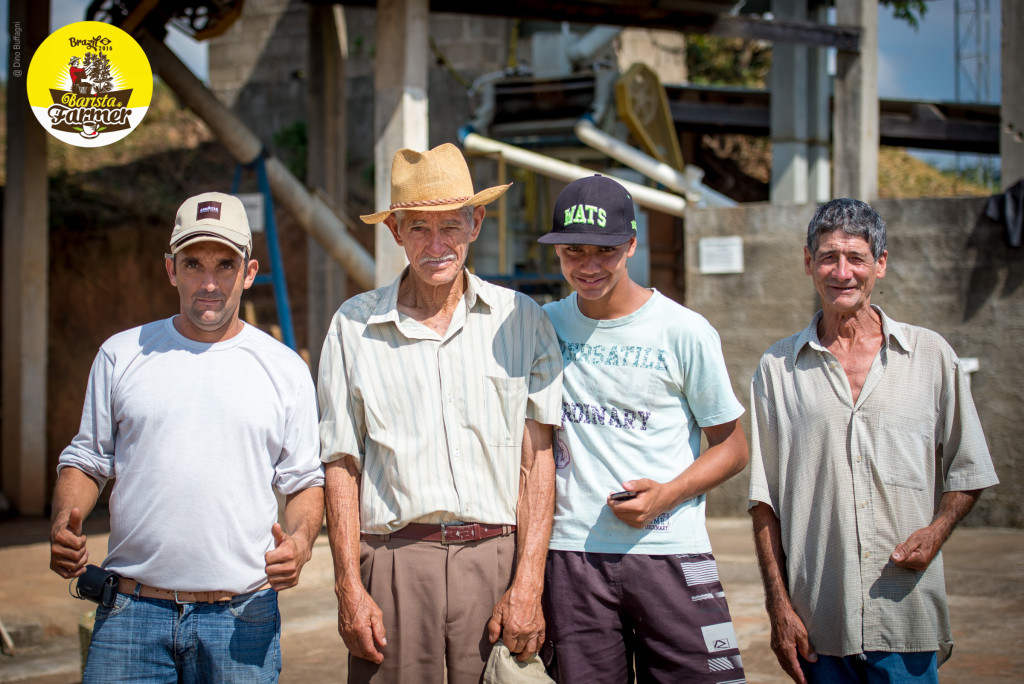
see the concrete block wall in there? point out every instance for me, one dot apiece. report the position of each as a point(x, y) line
point(259, 65)
point(948, 270)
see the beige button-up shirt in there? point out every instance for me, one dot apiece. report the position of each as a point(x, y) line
point(850, 481)
point(435, 423)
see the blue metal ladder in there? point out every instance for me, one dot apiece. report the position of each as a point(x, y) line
point(276, 275)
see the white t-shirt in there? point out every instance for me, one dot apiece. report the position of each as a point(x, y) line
point(196, 436)
point(636, 391)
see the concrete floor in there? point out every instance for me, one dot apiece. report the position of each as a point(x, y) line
point(984, 574)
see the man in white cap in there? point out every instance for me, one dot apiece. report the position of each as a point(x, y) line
point(197, 418)
point(438, 394)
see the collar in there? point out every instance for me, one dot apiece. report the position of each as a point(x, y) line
point(386, 310)
point(891, 332)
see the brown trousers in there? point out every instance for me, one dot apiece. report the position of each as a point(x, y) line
point(436, 602)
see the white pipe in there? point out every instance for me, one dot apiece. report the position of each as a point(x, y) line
point(313, 215)
point(554, 168)
point(591, 43)
point(687, 184)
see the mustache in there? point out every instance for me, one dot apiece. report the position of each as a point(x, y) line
point(434, 260)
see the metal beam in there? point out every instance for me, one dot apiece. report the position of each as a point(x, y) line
point(687, 16)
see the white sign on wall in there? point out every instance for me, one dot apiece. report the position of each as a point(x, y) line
point(721, 254)
point(253, 203)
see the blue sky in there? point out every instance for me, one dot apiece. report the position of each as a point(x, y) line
point(919, 65)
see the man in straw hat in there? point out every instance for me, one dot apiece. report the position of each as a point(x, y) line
point(438, 394)
point(197, 419)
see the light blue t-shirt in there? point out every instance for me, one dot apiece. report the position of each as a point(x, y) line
point(636, 391)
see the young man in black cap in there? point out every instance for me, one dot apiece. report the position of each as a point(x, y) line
point(630, 579)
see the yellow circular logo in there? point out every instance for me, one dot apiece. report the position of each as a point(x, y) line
point(89, 84)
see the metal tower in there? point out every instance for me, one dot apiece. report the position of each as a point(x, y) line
point(971, 26)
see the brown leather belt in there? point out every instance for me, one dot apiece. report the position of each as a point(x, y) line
point(446, 533)
point(127, 586)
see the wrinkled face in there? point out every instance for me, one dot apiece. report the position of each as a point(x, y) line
point(210, 278)
point(436, 242)
point(844, 271)
point(594, 271)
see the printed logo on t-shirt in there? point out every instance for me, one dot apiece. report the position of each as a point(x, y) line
point(562, 457)
point(624, 355)
point(589, 414)
point(659, 524)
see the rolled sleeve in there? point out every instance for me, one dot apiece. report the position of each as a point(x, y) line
point(544, 404)
point(340, 413)
point(966, 462)
point(763, 442)
point(92, 449)
point(299, 465)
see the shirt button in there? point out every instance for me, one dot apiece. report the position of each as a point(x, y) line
point(858, 459)
point(867, 554)
point(863, 504)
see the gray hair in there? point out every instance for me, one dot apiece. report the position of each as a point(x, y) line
point(851, 216)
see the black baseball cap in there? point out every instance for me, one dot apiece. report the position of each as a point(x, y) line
point(592, 211)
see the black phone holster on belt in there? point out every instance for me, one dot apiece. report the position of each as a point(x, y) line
point(98, 585)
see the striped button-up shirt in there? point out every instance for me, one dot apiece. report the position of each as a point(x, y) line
point(435, 422)
point(849, 481)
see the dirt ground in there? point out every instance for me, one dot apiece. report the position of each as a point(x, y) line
point(984, 576)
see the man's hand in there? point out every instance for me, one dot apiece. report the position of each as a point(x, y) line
point(519, 618)
point(922, 546)
point(789, 637)
point(68, 555)
point(918, 551)
point(285, 560)
point(652, 500)
point(361, 624)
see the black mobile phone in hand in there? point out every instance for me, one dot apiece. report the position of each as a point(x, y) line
point(622, 496)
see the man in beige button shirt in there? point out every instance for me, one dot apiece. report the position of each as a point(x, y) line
point(438, 394)
point(866, 453)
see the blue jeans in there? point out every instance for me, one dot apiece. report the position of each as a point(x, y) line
point(154, 640)
point(874, 667)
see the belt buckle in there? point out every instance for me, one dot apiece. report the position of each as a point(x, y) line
point(444, 532)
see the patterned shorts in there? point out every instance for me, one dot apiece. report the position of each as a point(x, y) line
point(662, 618)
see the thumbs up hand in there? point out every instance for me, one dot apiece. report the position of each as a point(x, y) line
point(285, 560)
point(68, 555)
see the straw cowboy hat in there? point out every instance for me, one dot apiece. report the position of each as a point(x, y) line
point(436, 180)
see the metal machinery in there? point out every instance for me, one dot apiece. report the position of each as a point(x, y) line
point(201, 19)
point(570, 114)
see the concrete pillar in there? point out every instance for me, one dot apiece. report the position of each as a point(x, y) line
point(789, 112)
point(1011, 111)
point(400, 108)
point(819, 124)
point(326, 279)
point(26, 234)
point(855, 117)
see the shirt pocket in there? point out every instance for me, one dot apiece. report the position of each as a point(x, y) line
point(904, 448)
point(506, 396)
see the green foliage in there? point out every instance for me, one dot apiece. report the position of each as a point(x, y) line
point(714, 60)
point(910, 11)
point(291, 144)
